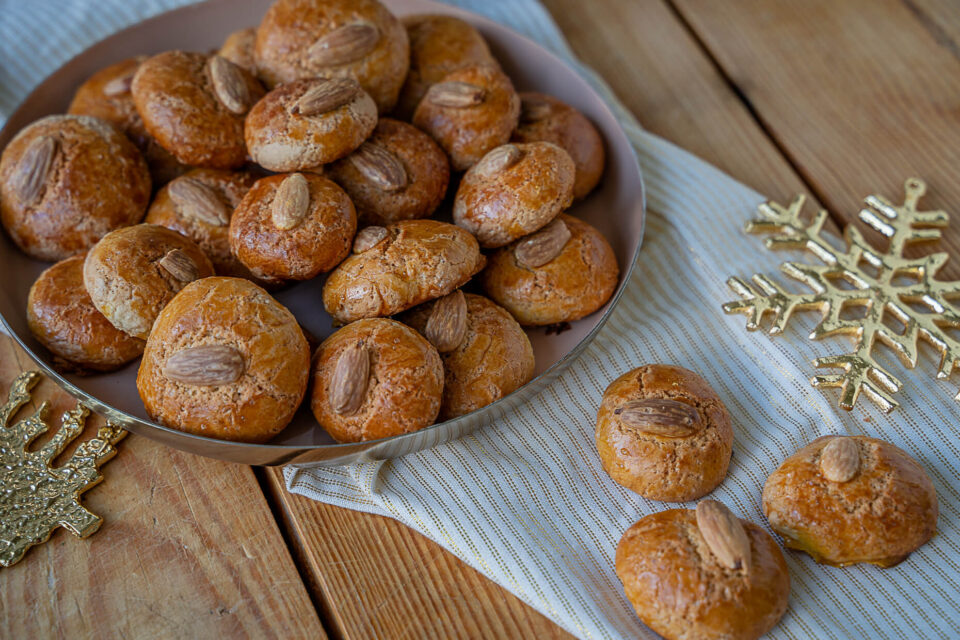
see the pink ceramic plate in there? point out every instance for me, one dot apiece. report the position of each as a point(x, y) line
point(616, 208)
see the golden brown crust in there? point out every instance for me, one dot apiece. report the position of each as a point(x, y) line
point(405, 384)
point(493, 359)
point(238, 49)
point(439, 44)
point(576, 283)
point(314, 246)
point(106, 95)
point(500, 206)
point(62, 317)
point(174, 95)
point(291, 27)
point(655, 466)
point(544, 118)
point(125, 280)
point(888, 510)
point(239, 314)
point(427, 175)
point(682, 592)
point(213, 239)
point(418, 261)
point(97, 182)
point(281, 140)
point(468, 133)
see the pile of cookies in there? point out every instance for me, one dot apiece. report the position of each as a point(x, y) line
point(663, 433)
point(181, 189)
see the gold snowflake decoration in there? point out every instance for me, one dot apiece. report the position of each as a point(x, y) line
point(898, 299)
point(36, 498)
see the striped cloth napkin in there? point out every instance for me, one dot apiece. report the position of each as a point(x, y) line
point(525, 500)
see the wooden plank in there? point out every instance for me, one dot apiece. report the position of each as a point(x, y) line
point(380, 579)
point(189, 549)
point(859, 94)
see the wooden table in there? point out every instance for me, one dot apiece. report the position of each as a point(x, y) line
point(833, 99)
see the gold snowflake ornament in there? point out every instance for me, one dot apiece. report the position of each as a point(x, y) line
point(36, 498)
point(898, 299)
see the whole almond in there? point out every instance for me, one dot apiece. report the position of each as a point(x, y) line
point(447, 324)
point(498, 160)
point(206, 365)
point(368, 238)
point(326, 96)
point(347, 44)
point(197, 201)
point(33, 170)
point(455, 94)
point(181, 266)
point(543, 246)
point(351, 374)
point(661, 417)
point(534, 109)
point(291, 202)
point(840, 460)
point(119, 85)
point(724, 534)
point(380, 166)
point(229, 85)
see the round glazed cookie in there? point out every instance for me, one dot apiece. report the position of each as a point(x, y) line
point(66, 181)
point(513, 191)
point(293, 226)
point(563, 272)
point(224, 360)
point(485, 353)
point(703, 574)
point(399, 173)
point(106, 95)
point(304, 124)
point(845, 500)
point(194, 105)
point(357, 39)
point(469, 113)
point(63, 319)
point(375, 378)
point(544, 118)
point(199, 205)
point(132, 273)
point(396, 267)
point(664, 433)
point(439, 44)
point(238, 49)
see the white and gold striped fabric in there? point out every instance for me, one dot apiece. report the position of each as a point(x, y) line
point(525, 500)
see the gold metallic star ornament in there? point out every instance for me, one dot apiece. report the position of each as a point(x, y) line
point(898, 299)
point(35, 497)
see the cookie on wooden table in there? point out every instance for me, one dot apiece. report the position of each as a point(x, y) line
point(194, 106)
point(293, 227)
point(307, 123)
point(561, 273)
point(703, 574)
point(63, 319)
point(544, 118)
point(238, 49)
point(106, 95)
point(439, 44)
point(224, 360)
point(399, 266)
point(357, 39)
point(132, 273)
point(399, 173)
point(470, 112)
point(66, 181)
point(486, 355)
point(664, 433)
point(851, 499)
point(513, 191)
point(375, 378)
